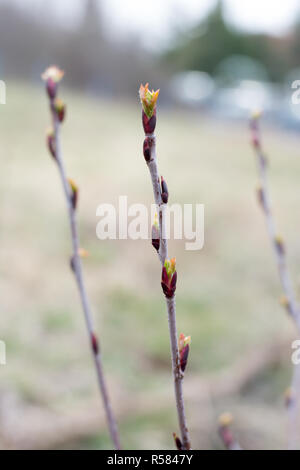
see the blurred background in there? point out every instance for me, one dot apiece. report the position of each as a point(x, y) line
point(214, 61)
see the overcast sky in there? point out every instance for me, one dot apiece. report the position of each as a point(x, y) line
point(158, 17)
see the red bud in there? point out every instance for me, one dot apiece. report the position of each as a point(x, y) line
point(95, 344)
point(74, 193)
point(149, 123)
point(60, 109)
point(51, 144)
point(177, 441)
point(51, 87)
point(168, 283)
point(72, 263)
point(184, 354)
point(155, 238)
point(164, 191)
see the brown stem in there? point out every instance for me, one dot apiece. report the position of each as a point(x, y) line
point(81, 286)
point(171, 307)
point(178, 375)
point(153, 169)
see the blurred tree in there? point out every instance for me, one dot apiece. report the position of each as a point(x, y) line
point(295, 43)
point(92, 19)
point(213, 40)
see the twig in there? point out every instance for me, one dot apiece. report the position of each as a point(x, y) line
point(289, 299)
point(160, 243)
point(52, 76)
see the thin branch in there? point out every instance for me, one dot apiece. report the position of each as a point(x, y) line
point(289, 299)
point(160, 192)
point(177, 373)
point(70, 192)
point(153, 169)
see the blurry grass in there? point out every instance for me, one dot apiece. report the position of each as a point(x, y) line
point(55, 322)
point(227, 293)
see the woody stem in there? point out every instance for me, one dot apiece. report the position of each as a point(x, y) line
point(81, 285)
point(171, 306)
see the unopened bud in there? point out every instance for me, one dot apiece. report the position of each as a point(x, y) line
point(51, 142)
point(169, 278)
point(164, 191)
point(95, 344)
point(177, 441)
point(184, 349)
point(74, 193)
point(60, 109)
point(279, 244)
point(155, 233)
point(149, 124)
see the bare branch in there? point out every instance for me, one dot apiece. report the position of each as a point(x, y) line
point(289, 299)
point(70, 191)
point(160, 193)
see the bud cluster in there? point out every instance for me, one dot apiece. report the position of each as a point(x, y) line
point(148, 99)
